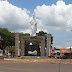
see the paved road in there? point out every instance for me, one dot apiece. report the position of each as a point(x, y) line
point(24, 67)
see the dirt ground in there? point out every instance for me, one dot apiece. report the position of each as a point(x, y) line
point(40, 61)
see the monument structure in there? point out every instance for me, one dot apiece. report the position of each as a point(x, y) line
point(30, 45)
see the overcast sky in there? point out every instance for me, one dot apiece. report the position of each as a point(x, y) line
point(53, 17)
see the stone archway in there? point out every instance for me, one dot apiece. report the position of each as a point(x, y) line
point(36, 38)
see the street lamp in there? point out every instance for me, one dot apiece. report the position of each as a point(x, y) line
point(70, 52)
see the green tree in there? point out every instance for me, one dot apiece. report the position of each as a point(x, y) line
point(11, 49)
point(8, 38)
point(22, 34)
point(42, 33)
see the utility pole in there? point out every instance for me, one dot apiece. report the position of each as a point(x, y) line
point(70, 52)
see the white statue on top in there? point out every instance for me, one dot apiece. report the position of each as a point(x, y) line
point(33, 23)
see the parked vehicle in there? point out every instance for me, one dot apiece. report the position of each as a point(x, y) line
point(57, 56)
point(63, 57)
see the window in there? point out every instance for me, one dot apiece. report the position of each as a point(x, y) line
point(52, 50)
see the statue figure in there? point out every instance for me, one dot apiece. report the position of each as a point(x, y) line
point(33, 25)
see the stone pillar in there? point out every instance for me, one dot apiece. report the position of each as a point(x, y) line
point(49, 45)
point(43, 47)
point(22, 47)
point(16, 43)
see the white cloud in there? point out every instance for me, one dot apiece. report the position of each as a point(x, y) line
point(54, 17)
point(13, 18)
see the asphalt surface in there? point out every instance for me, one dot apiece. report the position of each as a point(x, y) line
point(29, 67)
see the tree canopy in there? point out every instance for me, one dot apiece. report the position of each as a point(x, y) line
point(8, 38)
point(41, 33)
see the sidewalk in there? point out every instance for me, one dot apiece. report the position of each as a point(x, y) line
point(42, 61)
